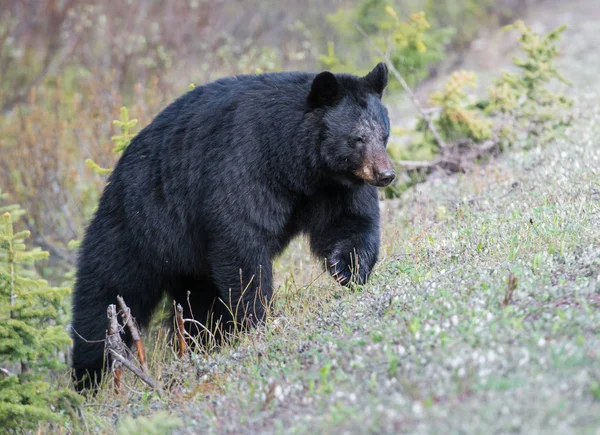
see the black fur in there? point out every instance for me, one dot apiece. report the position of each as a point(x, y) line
point(221, 180)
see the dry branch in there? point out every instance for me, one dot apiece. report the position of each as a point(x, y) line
point(58, 59)
point(441, 143)
point(114, 344)
point(46, 245)
point(180, 327)
point(135, 333)
point(453, 159)
point(116, 349)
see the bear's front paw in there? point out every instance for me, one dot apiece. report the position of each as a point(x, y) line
point(341, 272)
point(346, 268)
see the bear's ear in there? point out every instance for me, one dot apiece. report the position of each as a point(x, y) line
point(324, 89)
point(378, 78)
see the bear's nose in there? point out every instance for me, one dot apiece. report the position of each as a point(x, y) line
point(386, 178)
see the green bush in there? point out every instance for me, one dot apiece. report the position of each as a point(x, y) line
point(450, 24)
point(523, 103)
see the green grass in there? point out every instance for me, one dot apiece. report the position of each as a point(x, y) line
point(442, 340)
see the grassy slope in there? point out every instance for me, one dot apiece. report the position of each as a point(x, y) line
point(430, 344)
point(435, 343)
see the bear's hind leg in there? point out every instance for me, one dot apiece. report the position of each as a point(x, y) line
point(91, 299)
point(205, 314)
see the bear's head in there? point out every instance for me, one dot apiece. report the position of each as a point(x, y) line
point(355, 126)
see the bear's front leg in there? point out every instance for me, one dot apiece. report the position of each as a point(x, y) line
point(350, 239)
point(351, 263)
point(351, 258)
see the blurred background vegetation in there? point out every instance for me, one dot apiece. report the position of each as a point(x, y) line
point(67, 67)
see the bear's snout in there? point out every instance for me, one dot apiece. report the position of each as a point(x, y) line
point(377, 169)
point(385, 178)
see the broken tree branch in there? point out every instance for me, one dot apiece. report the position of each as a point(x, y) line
point(441, 143)
point(116, 348)
point(46, 245)
point(135, 333)
point(455, 159)
point(114, 344)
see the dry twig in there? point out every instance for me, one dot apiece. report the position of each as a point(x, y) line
point(454, 159)
point(418, 164)
point(180, 327)
point(135, 333)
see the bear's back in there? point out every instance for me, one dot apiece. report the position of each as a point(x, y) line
point(207, 145)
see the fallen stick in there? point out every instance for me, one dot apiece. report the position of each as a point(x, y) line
point(512, 283)
point(135, 333)
point(442, 144)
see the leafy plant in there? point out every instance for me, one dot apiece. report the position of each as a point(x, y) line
point(458, 116)
point(412, 44)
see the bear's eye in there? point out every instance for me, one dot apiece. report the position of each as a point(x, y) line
point(358, 140)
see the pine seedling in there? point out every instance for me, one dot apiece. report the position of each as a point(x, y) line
point(121, 140)
point(29, 336)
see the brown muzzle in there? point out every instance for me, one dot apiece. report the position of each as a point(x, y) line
point(377, 169)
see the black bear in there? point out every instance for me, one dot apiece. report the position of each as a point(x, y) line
point(217, 185)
